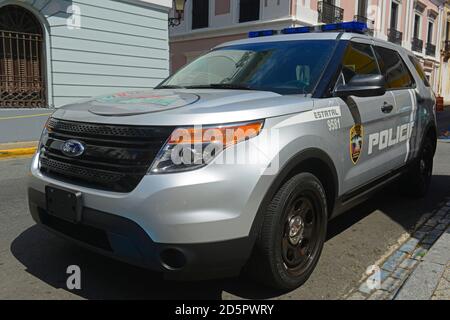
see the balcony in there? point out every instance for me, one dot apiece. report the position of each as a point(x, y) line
point(430, 50)
point(395, 36)
point(370, 23)
point(329, 13)
point(417, 45)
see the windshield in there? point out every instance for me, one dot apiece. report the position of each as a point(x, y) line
point(284, 67)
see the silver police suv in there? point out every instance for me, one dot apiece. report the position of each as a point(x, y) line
point(238, 161)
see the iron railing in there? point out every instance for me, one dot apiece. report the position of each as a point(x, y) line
point(329, 13)
point(370, 23)
point(21, 78)
point(395, 36)
point(430, 49)
point(417, 45)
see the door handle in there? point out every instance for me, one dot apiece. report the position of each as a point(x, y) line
point(387, 108)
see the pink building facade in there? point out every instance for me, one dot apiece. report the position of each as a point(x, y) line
point(444, 70)
point(415, 24)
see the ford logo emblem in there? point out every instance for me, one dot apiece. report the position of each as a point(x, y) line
point(72, 148)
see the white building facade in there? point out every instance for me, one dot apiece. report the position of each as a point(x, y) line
point(55, 52)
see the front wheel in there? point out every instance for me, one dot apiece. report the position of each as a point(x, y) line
point(292, 235)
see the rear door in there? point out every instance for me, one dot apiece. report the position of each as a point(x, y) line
point(370, 116)
point(425, 103)
point(401, 84)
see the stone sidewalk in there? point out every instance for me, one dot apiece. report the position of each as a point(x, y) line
point(431, 278)
point(443, 289)
point(418, 270)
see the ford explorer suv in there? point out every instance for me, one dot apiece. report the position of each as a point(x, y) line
point(238, 161)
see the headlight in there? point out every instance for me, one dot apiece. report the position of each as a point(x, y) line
point(191, 148)
point(44, 136)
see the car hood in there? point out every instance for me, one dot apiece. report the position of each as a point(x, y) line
point(183, 107)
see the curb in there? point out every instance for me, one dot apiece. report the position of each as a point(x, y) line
point(19, 149)
point(424, 281)
point(391, 275)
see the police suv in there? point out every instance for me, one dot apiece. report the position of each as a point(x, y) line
point(238, 161)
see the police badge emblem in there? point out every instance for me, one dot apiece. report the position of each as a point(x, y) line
point(356, 142)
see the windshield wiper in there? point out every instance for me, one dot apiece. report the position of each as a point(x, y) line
point(170, 87)
point(230, 86)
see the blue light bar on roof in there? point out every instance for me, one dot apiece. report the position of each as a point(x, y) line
point(297, 30)
point(261, 33)
point(352, 26)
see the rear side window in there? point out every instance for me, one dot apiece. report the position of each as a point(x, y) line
point(419, 70)
point(394, 69)
point(358, 59)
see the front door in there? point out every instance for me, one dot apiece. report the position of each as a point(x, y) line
point(368, 133)
point(400, 83)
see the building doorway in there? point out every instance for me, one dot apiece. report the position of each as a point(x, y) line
point(22, 81)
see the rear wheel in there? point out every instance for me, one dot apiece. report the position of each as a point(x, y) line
point(416, 181)
point(293, 233)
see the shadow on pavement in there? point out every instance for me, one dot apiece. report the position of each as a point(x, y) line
point(102, 278)
point(47, 257)
point(403, 210)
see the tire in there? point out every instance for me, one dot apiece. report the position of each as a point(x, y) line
point(287, 249)
point(416, 182)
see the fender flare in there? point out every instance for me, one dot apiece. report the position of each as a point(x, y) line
point(283, 175)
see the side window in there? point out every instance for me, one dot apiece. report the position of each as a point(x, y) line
point(419, 70)
point(394, 69)
point(358, 59)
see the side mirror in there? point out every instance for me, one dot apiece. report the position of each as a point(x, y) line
point(362, 85)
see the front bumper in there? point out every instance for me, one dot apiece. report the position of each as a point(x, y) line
point(124, 240)
point(193, 222)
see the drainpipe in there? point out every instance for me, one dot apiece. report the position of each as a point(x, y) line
point(405, 24)
point(409, 23)
point(440, 38)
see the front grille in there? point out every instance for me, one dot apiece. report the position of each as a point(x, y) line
point(116, 157)
point(82, 173)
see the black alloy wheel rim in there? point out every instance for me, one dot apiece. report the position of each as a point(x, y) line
point(300, 234)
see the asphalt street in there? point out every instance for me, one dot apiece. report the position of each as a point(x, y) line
point(33, 262)
point(22, 124)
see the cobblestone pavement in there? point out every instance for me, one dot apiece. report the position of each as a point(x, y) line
point(418, 270)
